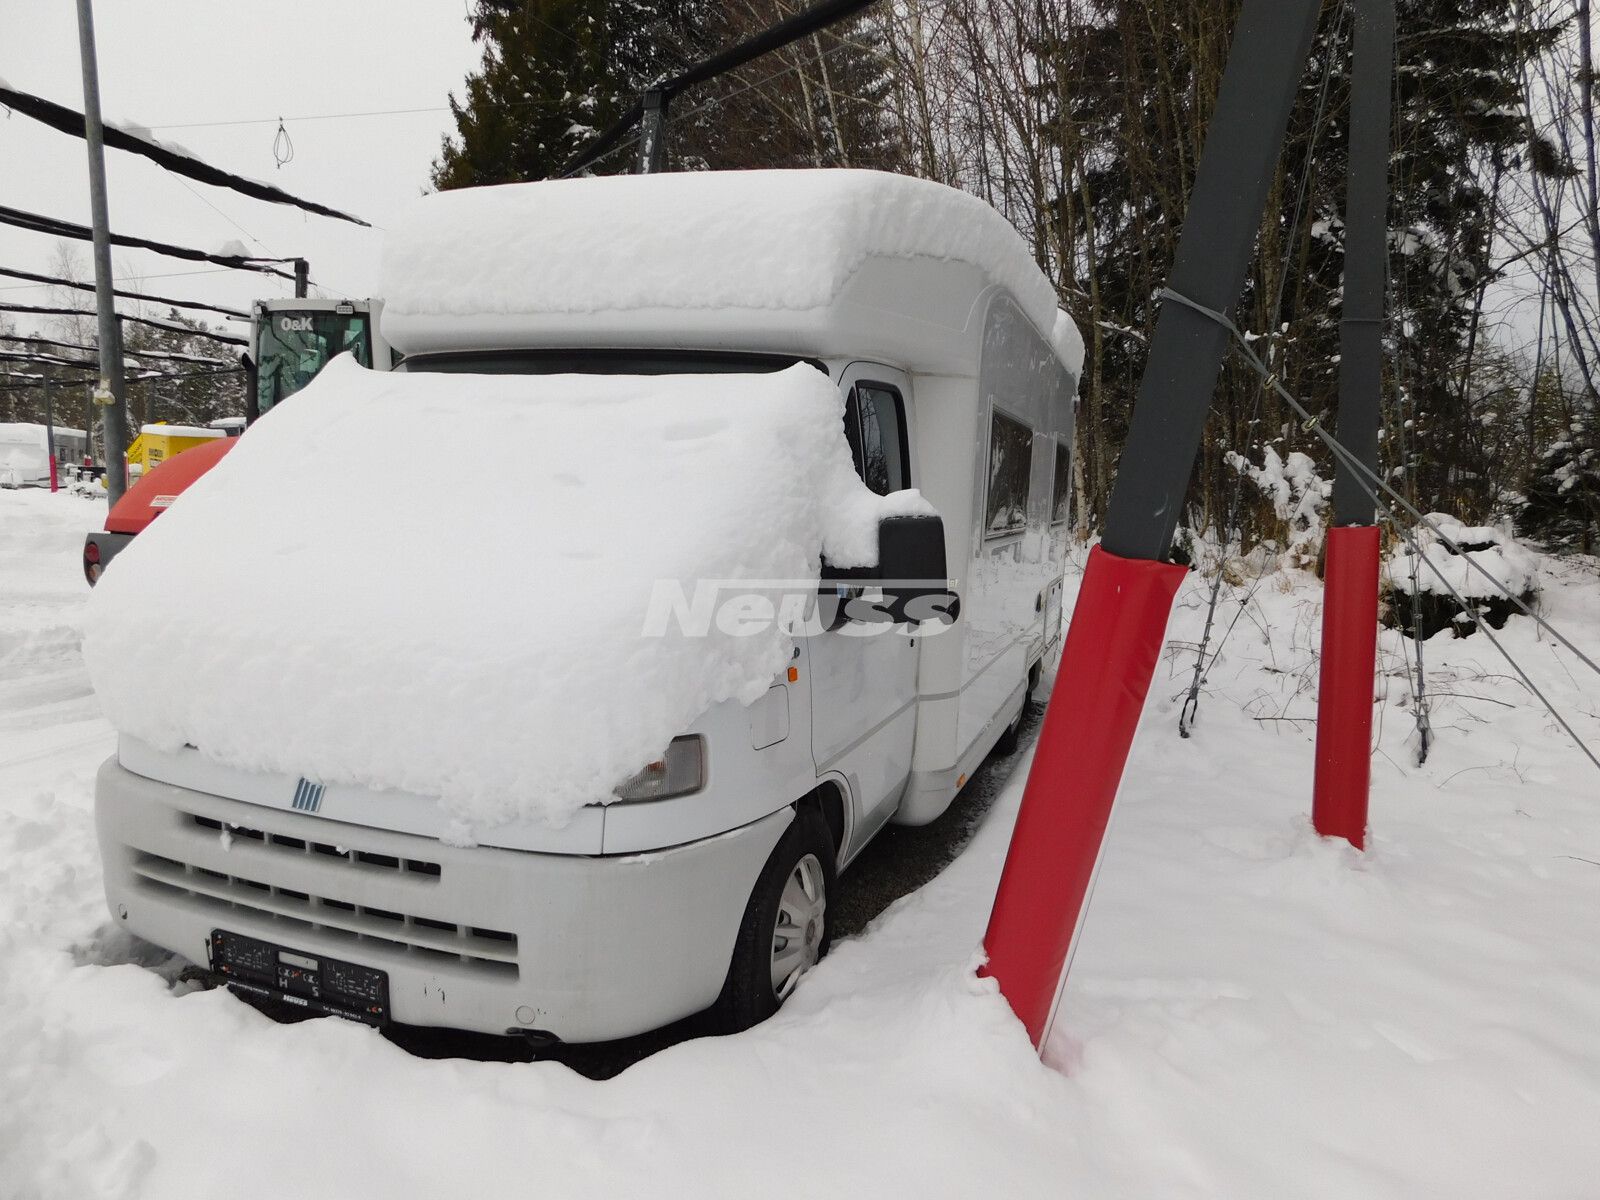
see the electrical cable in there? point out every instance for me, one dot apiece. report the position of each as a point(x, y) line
point(50, 311)
point(148, 377)
point(70, 121)
point(1372, 483)
point(68, 229)
point(89, 287)
point(1314, 425)
point(775, 37)
point(707, 106)
point(282, 146)
point(165, 355)
point(214, 208)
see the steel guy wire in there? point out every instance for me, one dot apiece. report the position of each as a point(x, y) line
point(1371, 485)
point(1314, 425)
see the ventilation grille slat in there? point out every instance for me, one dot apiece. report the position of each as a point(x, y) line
point(330, 915)
point(294, 845)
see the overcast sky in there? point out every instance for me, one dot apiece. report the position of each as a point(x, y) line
point(180, 66)
point(172, 64)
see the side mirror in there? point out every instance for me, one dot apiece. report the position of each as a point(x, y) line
point(911, 571)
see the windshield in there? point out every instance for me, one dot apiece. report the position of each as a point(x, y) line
point(294, 346)
point(601, 362)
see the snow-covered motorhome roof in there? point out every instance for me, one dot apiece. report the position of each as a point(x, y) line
point(824, 263)
point(27, 432)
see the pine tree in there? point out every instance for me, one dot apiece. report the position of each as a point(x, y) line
point(557, 72)
point(1560, 502)
point(1139, 77)
point(554, 74)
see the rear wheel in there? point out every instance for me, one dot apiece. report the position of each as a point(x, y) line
point(786, 925)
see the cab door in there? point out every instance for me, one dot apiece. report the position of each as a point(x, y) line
point(864, 678)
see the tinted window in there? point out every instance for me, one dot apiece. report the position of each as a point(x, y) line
point(1010, 464)
point(294, 346)
point(876, 433)
point(1062, 499)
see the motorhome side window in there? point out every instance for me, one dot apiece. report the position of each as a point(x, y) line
point(1010, 464)
point(876, 432)
point(1062, 497)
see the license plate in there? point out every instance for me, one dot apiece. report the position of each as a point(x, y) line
point(312, 981)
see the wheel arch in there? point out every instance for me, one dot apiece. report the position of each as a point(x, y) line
point(831, 800)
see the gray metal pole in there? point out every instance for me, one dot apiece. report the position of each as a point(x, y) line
point(652, 134)
point(302, 278)
point(116, 418)
point(1366, 258)
point(50, 428)
point(1244, 140)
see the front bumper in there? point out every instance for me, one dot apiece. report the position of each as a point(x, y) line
point(490, 940)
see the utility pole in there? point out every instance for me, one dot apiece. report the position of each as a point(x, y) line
point(1350, 594)
point(50, 428)
point(88, 423)
point(110, 392)
point(652, 133)
point(302, 278)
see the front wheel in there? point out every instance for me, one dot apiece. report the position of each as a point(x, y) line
point(786, 925)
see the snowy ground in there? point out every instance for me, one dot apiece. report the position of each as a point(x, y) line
point(1253, 1013)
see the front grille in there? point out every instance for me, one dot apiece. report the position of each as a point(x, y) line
point(331, 917)
point(294, 845)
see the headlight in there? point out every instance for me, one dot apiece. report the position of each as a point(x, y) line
point(681, 770)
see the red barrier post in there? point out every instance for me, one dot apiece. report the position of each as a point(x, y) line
point(55, 485)
point(1118, 628)
point(1344, 691)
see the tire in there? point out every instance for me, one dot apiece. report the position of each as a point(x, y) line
point(761, 976)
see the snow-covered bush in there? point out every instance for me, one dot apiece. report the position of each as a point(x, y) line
point(1561, 505)
point(1297, 495)
point(1420, 603)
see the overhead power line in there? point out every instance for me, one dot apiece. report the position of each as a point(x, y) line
point(70, 121)
point(147, 377)
point(89, 287)
point(47, 360)
point(718, 101)
point(163, 355)
point(50, 311)
point(791, 29)
point(56, 227)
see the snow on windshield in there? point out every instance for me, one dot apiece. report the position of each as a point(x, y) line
point(438, 583)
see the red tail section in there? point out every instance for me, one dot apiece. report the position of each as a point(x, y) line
point(148, 498)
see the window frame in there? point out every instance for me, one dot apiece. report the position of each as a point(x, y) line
point(996, 413)
point(1061, 448)
point(853, 408)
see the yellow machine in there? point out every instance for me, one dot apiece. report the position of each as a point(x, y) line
point(157, 443)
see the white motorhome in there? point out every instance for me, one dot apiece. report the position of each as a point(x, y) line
point(706, 879)
point(25, 452)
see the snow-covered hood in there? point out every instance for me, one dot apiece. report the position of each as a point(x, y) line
point(439, 583)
